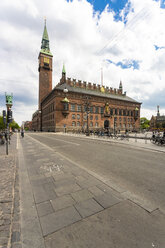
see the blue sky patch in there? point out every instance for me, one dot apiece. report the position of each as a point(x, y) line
point(162, 3)
point(158, 48)
point(114, 5)
point(125, 64)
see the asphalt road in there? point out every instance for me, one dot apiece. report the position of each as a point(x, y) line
point(137, 172)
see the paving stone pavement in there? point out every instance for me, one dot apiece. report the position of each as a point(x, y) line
point(63, 193)
point(10, 230)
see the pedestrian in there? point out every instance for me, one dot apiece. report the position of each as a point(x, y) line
point(22, 133)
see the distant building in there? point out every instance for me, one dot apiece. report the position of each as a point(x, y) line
point(158, 121)
point(77, 105)
point(28, 125)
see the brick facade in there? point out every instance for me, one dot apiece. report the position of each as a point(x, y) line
point(45, 76)
point(104, 111)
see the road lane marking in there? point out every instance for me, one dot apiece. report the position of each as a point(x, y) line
point(69, 142)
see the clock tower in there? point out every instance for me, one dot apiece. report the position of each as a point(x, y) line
point(45, 68)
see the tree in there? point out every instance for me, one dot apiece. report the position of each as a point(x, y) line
point(144, 123)
point(2, 126)
point(14, 125)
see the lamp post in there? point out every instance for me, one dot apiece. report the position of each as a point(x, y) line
point(9, 103)
point(65, 102)
point(135, 116)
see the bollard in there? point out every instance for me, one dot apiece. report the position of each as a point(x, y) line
point(135, 137)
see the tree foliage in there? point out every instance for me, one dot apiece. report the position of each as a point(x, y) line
point(13, 124)
point(144, 123)
point(1, 123)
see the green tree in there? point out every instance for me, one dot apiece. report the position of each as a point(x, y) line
point(2, 126)
point(14, 125)
point(144, 123)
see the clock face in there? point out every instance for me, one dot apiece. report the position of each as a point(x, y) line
point(46, 60)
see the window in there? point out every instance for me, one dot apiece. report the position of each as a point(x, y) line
point(73, 116)
point(66, 106)
point(84, 124)
point(111, 111)
point(91, 124)
point(96, 124)
point(91, 117)
point(120, 119)
point(78, 124)
point(124, 112)
point(96, 110)
point(123, 125)
point(85, 117)
point(72, 107)
point(78, 117)
point(91, 109)
point(102, 110)
point(120, 112)
point(131, 113)
point(116, 111)
point(79, 108)
point(86, 108)
point(73, 123)
point(96, 117)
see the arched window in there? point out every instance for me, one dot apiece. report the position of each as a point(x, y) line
point(73, 123)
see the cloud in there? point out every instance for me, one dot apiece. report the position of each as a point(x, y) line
point(84, 39)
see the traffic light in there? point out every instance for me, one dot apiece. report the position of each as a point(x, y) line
point(4, 117)
point(9, 116)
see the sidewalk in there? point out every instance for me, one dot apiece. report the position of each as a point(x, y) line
point(9, 197)
point(64, 205)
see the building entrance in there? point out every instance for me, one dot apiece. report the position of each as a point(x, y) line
point(106, 124)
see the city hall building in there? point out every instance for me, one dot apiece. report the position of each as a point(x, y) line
point(76, 105)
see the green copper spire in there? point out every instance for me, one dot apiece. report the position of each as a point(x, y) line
point(45, 42)
point(120, 85)
point(63, 69)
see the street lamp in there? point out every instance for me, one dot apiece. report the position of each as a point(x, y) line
point(9, 103)
point(135, 116)
point(65, 90)
point(65, 103)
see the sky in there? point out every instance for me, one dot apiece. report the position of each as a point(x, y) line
point(124, 37)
